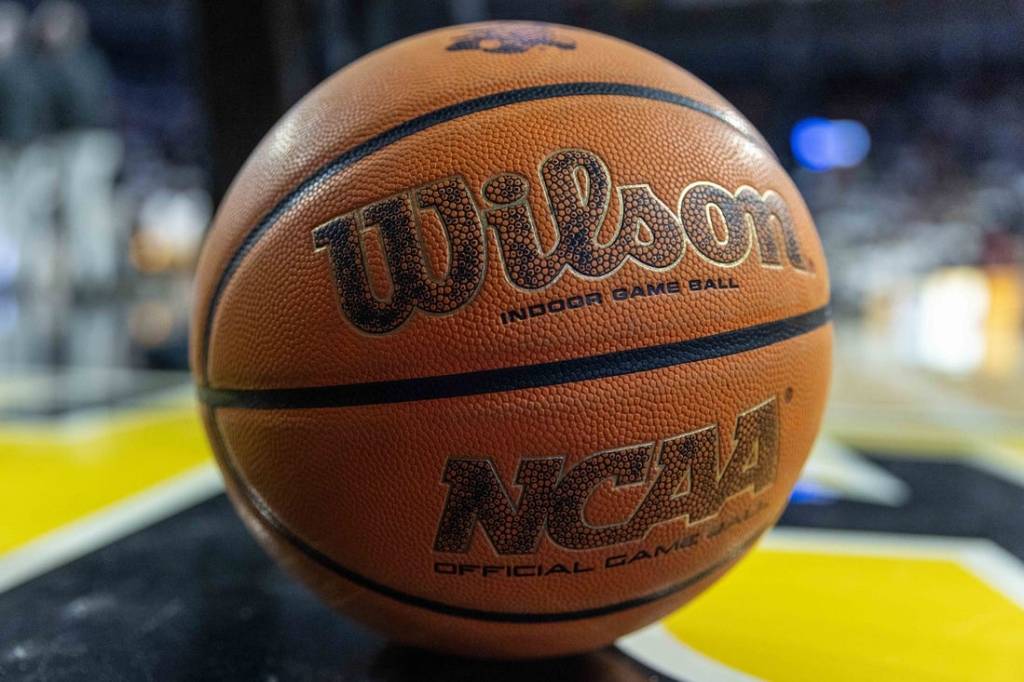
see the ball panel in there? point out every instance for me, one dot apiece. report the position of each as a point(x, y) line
point(285, 283)
point(426, 628)
point(386, 88)
point(366, 486)
point(622, 496)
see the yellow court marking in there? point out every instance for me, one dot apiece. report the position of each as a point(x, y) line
point(798, 615)
point(1014, 446)
point(56, 472)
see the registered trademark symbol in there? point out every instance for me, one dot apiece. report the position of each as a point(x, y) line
point(788, 395)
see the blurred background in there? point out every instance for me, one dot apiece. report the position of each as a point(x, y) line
point(122, 123)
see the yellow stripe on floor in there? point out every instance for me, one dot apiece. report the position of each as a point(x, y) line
point(60, 471)
point(795, 615)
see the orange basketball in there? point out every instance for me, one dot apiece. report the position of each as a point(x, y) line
point(511, 338)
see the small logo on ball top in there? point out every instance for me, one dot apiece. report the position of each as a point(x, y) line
point(509, 40)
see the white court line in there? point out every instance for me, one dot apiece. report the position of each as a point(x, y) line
point(1000, 460)
point(657, 648)
point(844, 472)
point(999, 569)
point(111, 523)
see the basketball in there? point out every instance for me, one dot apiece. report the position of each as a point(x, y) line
point(511, 338)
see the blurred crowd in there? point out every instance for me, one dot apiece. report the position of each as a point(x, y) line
point(52, 78)
point(926, 238)
point(943, 186)
point(78, 232)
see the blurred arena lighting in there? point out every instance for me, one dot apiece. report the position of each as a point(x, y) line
point(821, 144)
point(1005, 320)
point(954, 306)
point(151, 323)
point(170, 229)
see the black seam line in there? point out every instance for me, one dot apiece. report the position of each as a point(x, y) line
point(429, 120)
point(312, 553)
point(523, 376)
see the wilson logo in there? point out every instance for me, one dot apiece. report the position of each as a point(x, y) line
point(721, 226)
point(691, 480)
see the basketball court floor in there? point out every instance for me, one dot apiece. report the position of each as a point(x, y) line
point(901, 556)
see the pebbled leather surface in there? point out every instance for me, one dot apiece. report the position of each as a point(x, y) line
point(349, 496)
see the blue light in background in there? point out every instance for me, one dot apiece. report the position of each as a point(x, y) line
point(821, 144)
point(807, 492)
